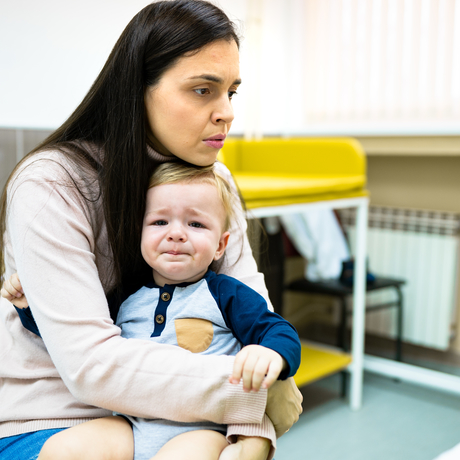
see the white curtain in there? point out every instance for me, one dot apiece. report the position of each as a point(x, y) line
point(352, 66)
point(317, 236)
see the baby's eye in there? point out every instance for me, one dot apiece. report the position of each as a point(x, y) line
point(202, 91)
point(160, 222)
point(196, 225)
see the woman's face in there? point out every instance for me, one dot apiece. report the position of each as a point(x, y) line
point(190, 109)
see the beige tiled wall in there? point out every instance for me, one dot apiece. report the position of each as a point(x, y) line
point(14, 144)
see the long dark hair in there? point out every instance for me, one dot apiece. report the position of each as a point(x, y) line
point(112, 117)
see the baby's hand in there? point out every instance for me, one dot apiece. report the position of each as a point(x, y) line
point(258, 366)
point(12, 291)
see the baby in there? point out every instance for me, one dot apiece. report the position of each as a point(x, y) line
point(188, 214)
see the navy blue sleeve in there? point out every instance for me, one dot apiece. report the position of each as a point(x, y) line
point(246, 313)
point(27, 320)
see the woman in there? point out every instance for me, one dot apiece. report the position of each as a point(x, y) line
point(71, 219)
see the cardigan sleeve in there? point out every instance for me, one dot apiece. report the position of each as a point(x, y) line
point(263, 430)
point(53, 246)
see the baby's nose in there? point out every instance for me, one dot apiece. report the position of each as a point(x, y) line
point(177, 233)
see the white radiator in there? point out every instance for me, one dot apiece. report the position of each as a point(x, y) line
point(420, 247)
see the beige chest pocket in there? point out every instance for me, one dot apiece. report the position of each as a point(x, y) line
point(194, 334)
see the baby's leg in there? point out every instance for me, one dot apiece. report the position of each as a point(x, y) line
point(109, 438)
point(247, 448)
point(193, 445)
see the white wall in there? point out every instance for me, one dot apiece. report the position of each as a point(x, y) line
point(50, 53)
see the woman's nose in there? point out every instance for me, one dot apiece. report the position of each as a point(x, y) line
point(223, 112)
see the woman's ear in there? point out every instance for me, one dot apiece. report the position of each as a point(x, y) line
point(222, 245)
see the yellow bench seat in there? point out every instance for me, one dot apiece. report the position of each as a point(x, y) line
point(318, 362)
point(261, 189)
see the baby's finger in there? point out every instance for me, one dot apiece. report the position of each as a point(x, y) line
point(14, 281)
point(238, 365)
point(258, 375)
point(5, 294)
point(9, 291)
point(248, 371)
point(272, 375)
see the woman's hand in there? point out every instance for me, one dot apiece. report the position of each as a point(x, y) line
point(284, 405)
point(12, 291)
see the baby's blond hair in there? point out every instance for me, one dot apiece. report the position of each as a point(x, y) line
point(180, 172)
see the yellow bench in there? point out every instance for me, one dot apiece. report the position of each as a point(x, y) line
point(277, 176)
point(277, 172)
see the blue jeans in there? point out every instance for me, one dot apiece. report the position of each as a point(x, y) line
point(25, 446)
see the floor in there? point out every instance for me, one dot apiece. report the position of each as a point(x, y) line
point(398, 421)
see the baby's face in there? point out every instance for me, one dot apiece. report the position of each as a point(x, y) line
point(182, 231)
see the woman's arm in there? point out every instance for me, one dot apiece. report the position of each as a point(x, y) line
point(58, 257)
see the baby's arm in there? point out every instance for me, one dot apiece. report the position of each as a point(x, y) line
point(258, 366)
point(277, 354)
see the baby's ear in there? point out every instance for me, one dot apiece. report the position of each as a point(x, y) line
point(222, 245)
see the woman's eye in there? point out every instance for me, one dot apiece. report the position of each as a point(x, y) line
point(196, 225)
point(202, 91)
point(160, 222)
point(231, 94)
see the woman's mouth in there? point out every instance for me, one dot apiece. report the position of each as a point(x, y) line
point(215, 142)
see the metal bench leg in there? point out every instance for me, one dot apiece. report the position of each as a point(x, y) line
point(359, 305)
point(342, 333)
point(342, 343)
point(399, 324)
point(344, 384)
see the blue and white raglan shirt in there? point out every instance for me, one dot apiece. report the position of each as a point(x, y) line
point(215, 315)
point(224, 309)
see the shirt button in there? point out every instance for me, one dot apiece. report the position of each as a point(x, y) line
point(160, 319)
point(165, 296)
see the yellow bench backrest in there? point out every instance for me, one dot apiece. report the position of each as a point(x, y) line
point(312, 156)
